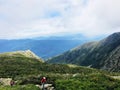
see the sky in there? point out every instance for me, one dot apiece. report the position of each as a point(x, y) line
point(36, 18)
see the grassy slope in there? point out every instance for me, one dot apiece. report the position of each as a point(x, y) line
point(20, 87)
point(63, 77)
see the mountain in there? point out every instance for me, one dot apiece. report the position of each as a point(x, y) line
point(27, 70)
point(20, 63)
point(104, 54)
point(44, 47)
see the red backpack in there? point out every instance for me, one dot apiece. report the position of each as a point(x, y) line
point(43, 80)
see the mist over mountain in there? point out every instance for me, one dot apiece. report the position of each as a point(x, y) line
point(104, 54)
point(44, 47)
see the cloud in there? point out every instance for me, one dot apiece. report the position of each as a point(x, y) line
point(98, 17)
point(34, 18)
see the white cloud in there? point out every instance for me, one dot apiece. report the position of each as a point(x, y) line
point(33, 18)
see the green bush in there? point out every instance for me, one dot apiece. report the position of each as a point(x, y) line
point(89, 82)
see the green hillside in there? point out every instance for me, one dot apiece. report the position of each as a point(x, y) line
point(27, 73)
point(104, 54)
point(18, 65)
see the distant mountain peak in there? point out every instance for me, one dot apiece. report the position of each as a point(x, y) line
point(111, 39)
point(114, 36)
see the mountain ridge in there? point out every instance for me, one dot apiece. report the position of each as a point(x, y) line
point(94, 54)
point(45, 47)
point(25, 53)
point(27, 72)
point(42, 48)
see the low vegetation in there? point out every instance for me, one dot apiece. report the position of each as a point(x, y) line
point(20, 87)
point(27, 72)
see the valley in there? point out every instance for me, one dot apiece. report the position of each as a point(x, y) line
point(91, 66)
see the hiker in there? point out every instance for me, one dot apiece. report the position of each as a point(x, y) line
point(12, 82)
point(43, 81)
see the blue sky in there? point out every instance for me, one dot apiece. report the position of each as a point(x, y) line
point(36, 18)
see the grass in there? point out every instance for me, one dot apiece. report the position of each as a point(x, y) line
point(20, 87)
point(28, 72)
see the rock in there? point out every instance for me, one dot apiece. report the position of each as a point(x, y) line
point(47, 87)
point(5, 81)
